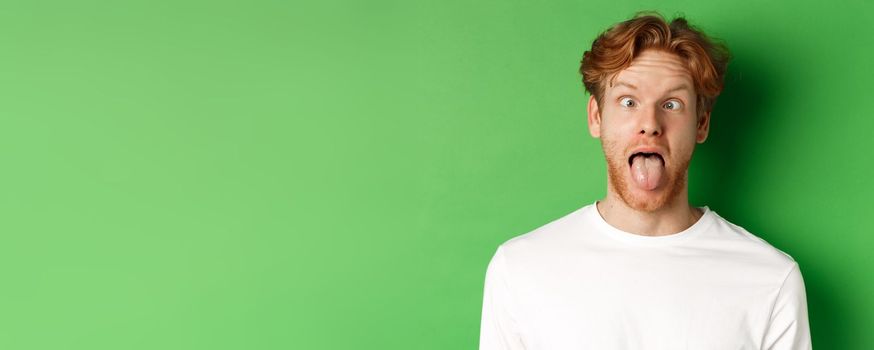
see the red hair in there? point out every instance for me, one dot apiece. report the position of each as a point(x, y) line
point(614, 49)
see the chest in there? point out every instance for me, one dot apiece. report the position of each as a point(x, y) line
point(651, 304)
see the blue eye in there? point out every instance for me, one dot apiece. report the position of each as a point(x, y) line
point(673, 105)
point(627, 102)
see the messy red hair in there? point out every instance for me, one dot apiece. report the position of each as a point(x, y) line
point(614, 49)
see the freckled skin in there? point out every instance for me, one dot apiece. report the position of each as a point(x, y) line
point(654, 119)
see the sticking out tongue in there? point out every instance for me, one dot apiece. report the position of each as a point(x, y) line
point(647, 171)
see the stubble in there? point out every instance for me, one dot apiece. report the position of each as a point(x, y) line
point(618, 175)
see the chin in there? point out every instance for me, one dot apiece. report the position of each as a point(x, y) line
point(646, 201)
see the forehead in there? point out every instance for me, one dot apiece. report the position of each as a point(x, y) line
point(653, 71)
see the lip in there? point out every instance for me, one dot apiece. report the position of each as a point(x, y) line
point(655, 150)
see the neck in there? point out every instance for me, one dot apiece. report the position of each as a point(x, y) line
point(675, 216)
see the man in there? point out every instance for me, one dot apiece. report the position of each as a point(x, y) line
point(641, 268)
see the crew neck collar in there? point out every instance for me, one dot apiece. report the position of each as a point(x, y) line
point(605, 228)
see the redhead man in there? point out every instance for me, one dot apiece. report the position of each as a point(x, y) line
point(642, 268)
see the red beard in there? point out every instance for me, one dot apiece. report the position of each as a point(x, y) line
point(618, 173)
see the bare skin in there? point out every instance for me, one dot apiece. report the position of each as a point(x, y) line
point(651, 107)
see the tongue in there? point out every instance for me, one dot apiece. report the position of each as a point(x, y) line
point(647, 171)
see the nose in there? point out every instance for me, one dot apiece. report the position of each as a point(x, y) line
point(650, 123)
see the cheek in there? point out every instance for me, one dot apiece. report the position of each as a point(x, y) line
point(687, 138)
point(683, 147)
point(611, 147)
point(686, 132)
point(611, 140)
point(614, 130)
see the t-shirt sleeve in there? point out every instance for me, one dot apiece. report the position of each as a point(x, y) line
point(788, 328)
point(499, 329)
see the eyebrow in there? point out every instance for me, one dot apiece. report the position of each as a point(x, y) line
point(679, 87)
point(622, 83)
point(634, 87)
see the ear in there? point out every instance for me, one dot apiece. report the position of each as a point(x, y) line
point(703, 127)
point(594, 117)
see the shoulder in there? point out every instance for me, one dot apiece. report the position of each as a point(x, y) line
point(744, 247)
point(548, 240)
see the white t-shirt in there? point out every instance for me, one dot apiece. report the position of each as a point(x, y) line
point(580, 283)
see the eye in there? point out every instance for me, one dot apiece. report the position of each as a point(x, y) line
point(673, 105)
point(627, 102)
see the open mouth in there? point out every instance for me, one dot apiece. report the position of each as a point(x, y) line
point(647, 170)
point(645, 155)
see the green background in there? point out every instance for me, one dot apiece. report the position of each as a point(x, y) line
point(336, 175)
